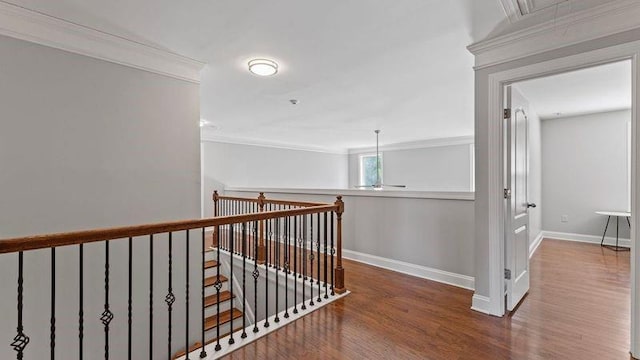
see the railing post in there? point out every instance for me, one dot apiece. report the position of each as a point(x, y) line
point(261, 248)
point(339, 270)
point(216, 198)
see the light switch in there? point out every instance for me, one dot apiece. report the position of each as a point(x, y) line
point(564, 218)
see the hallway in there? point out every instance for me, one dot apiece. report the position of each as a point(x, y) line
point(578, 308)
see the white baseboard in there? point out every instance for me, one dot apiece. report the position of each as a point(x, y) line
point(445, 277)
point(592, 239)
point(481, 304)
point(535, 244)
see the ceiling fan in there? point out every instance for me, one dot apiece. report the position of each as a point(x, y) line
point(378, 185)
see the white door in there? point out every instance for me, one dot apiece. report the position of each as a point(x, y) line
point(516, 204)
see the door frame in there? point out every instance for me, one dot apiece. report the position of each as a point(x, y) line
point(496, 152)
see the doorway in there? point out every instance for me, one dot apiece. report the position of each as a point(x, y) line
point(491, 172)
point(567, 166)
point(568, 161)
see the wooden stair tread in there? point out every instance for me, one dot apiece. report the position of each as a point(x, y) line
point(213, 299)
point(210, 264)
point(225, 316)
point(212, 280)
point(198, 344)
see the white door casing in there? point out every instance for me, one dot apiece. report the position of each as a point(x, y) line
point(516, 203)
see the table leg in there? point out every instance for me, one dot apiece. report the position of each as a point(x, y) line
point(617, 246)
point(605, 231)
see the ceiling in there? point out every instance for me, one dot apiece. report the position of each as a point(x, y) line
point(353, 65)
point(592, 90)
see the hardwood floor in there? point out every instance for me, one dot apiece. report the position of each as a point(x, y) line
point(578, 308)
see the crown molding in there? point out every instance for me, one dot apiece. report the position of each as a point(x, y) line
point(420, 144)
point(24, 24)
point(596, 22)
point(270, 144)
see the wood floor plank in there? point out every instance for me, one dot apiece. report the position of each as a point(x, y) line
point(578, 308)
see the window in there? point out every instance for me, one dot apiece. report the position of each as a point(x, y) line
point(369, 169)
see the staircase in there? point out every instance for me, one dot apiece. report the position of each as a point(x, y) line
point(227, 308)
point(285, 239)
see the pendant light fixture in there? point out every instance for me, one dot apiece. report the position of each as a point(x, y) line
point(378, 185)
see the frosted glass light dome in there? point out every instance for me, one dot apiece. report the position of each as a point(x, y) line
point(263, 67)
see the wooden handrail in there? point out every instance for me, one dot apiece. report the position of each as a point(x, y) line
point(236, 198)
point(82, 237)
point(265, 200)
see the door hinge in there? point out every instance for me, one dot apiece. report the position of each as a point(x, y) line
point(507, 113)
point(507, 193)
point(507, 274)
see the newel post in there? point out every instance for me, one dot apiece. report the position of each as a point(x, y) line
point(339, 270)
point(261, 248)
point(216, 198)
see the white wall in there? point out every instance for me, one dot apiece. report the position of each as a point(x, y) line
point(429, 236)
point(87, 144)
point(232, 165)
point(434, 168)
point(585, 169)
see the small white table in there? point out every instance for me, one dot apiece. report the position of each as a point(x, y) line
point(618, 215)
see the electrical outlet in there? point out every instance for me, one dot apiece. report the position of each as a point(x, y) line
point(564, 218)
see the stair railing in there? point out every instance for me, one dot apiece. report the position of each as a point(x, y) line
point(233, 205)
point(291, 239)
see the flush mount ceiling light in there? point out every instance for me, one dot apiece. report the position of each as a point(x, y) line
point(263, 67)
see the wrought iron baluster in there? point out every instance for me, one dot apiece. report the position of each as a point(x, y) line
point(266, 240)
point(319, 259)
point(288, 251)
point(170, 298)
point(218, 286)
point(52, 345)
point(224, 227)
point(244, 280)
point(234, 209)
point(255, 274)
point(326, 238)
point(286, 267)
point(311, 258)
point(266, 278)
point(130, 302)
point(151, 296)
point(295, 264)
point(333, 251)
point(81, 303)
point(277, 245)
point(186, 298)
point(107, 315)
point(231, 339)
point(304, 261)
point(203, 353)
point(21, 340)
point(254, 237)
